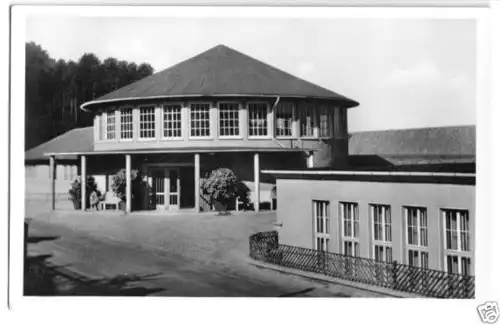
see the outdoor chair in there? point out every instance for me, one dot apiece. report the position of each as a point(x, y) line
point(110, 198)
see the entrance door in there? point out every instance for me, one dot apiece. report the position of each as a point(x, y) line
point(158, 184)
point(174, 188)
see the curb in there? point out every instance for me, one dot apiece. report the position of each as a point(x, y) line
point(323, 278)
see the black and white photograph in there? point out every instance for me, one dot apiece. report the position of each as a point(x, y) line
point(217, 152)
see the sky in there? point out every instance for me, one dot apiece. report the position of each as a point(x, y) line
point(405, 73)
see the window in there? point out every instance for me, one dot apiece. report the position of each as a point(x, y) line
point(382, 232)
point(381, 222)
point(172, 121)
point(147, 122)
point(457, 241)
point(284, 120)
point(229, 120)
point(350, 222)
point(417, 241)
point(110, 126)
point(306, 116)
point(321, 224)
point(102, 126)
point(257, 119)
point(343, 121)
point(324, 122)
point(200, 120)
point(126, 124)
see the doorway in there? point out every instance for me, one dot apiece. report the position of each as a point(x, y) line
point(165, 182)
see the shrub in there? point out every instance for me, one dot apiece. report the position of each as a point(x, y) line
point(119, 184)
point(220, 186)
point(75, 191)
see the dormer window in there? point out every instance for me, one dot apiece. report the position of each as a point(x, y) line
point(147, 122)
point(126, 124)
point(284, 119)
point(110, 126)
point(306, 115)
point(172, 121)
point(229, 120)
point(200, 120)
point(257, 119)
point(325, 130)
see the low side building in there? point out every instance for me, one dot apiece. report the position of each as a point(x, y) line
point(415, 216)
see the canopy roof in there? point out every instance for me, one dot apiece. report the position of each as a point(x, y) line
point(220, 71)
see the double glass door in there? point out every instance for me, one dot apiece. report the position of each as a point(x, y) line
point(166, 187)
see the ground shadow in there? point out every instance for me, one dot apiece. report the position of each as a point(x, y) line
point(43, 278)
point(37, 239)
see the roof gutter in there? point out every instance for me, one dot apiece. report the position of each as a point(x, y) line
point(364, 173)
point(84, 106)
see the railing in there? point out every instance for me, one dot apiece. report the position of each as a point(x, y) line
point(265, 246)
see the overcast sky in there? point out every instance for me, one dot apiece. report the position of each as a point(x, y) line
point(405, 73)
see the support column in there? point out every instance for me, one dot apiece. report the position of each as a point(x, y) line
point(128, 183)
point(256, 175)
point(52, 171)
point(84, 181)
point(197, 182)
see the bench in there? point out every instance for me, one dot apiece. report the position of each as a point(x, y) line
point(110, 198)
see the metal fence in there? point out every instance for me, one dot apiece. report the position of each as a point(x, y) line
point(265, 246)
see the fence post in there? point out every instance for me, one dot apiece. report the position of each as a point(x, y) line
point(395, 274)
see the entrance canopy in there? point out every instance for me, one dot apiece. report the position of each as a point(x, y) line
point(174, 150)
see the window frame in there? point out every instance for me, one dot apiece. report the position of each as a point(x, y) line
point(355, 238)
point(320, 109)
point(268, 122)
point(131, 108)
point(325, 221)
point(153, 106)
point(115, 129)
point(240, 131)
point(163, 137)
point(204, 137)
point(378, 242)
point(293, 134)
point(416, 247)
point(305, 107)
point(458, 253)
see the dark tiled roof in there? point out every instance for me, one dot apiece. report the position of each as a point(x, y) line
point(437, 141)
point(221, 71)
point(76, 140)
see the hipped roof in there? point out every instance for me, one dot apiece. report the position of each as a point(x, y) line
point(451, 140)
point(220, 71)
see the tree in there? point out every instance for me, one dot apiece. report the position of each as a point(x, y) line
point(220, 186)
point(55, 90)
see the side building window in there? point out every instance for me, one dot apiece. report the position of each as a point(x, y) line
point(229, 120)
point(382, 232)
point(257, 120)
point(457, 241)
point(321, 217)
point(200, 120)
point(350, 228)
point(126, 124)
point(284, 119)
point(417, 236)
point(147, 122)
point(172, 121)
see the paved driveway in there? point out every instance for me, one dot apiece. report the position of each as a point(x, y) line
point(188, 254)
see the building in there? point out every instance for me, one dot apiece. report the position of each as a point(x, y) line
point(220, 108)
point(413, 203)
